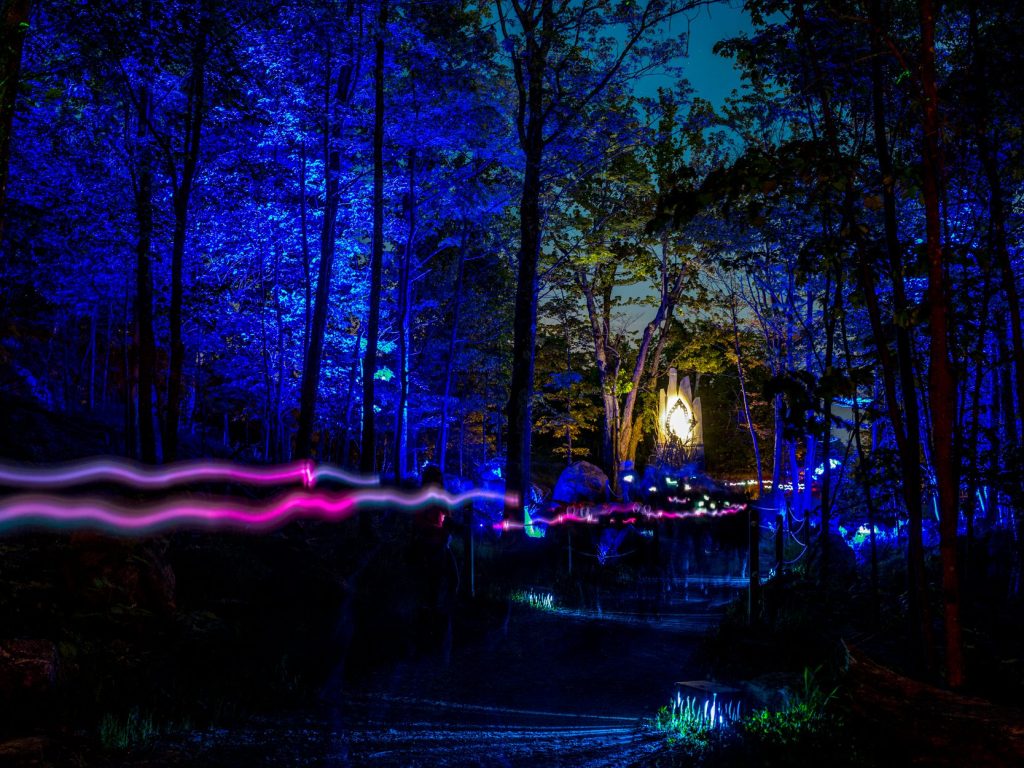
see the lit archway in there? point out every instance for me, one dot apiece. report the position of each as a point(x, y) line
point(679, 421)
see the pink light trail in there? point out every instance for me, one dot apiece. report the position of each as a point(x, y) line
point(593, 515)
point(154, 478)
point(91, 513)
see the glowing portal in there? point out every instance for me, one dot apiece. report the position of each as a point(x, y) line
point(680, 432)
point(681, 421)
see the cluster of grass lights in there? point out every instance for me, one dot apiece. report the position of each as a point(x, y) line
point(542, 601)
point(804, 719)
point(132, 730)
point(688, 717)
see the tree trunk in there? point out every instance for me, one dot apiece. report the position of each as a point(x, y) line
point(404, 269)
point(307, 277)
point(520, 420)
point(605, 376)
point(524, 323)
point(906, 423)
point(315, 348)
point(194, 115)
point(753, 511)
point(143, 275)
point(941, 379)
point(91, 394)
point(367, 456)
point(107, 347)
point(746, 403)
point(350, 401)
point(831, 312)
point(449, 369)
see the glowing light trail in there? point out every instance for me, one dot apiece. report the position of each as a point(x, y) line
point(154, 478)
point(593, 515)
point(67, 513)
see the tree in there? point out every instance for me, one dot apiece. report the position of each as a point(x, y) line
point(342, 85)
point(182, 183)
point(562, 62)
point(941, 377)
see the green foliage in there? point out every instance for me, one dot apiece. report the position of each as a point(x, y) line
point(134, 729)
point(804, 722)
point(789, 726)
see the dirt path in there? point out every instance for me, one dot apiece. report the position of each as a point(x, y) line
point(527, 688)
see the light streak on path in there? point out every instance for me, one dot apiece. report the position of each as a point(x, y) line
point(147, 477)
point(92, 513)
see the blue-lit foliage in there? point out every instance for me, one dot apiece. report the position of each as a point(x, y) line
point(255, 217)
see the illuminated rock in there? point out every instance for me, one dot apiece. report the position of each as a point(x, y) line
point(581, 481)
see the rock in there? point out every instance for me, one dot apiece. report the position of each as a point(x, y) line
point(103, 572)
point(28, 669)
point(581, 481)
point(770, 691)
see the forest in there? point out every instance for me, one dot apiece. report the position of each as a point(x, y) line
point(391, 235)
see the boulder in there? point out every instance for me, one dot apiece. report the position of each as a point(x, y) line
point(102, 572)
point(581, 482)
point(28, 669)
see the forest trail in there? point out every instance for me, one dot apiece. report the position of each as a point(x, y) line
point(523, 687)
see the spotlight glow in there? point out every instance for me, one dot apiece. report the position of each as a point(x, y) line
point(681, 421)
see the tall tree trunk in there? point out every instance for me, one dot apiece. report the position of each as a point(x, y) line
point(941, 379)
point(538, 31)
point(753, 510)
point(520, 416)
point(279, 446)
point(107, 347)
point(91, 394)
point(347, 76)
point(194, 115)
point(863, 470)
point(145, 341)
point(350, 400)
point(627, 439)
point(743, 397)
point(404, 270)
point(606, 375)
point(367, 457)
point(128, 377)
point(268, 382)
point(974, 425)
point(568, 392)
point(906, 423)
point(831, 310)
point(307, 277)
point(453, 340)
